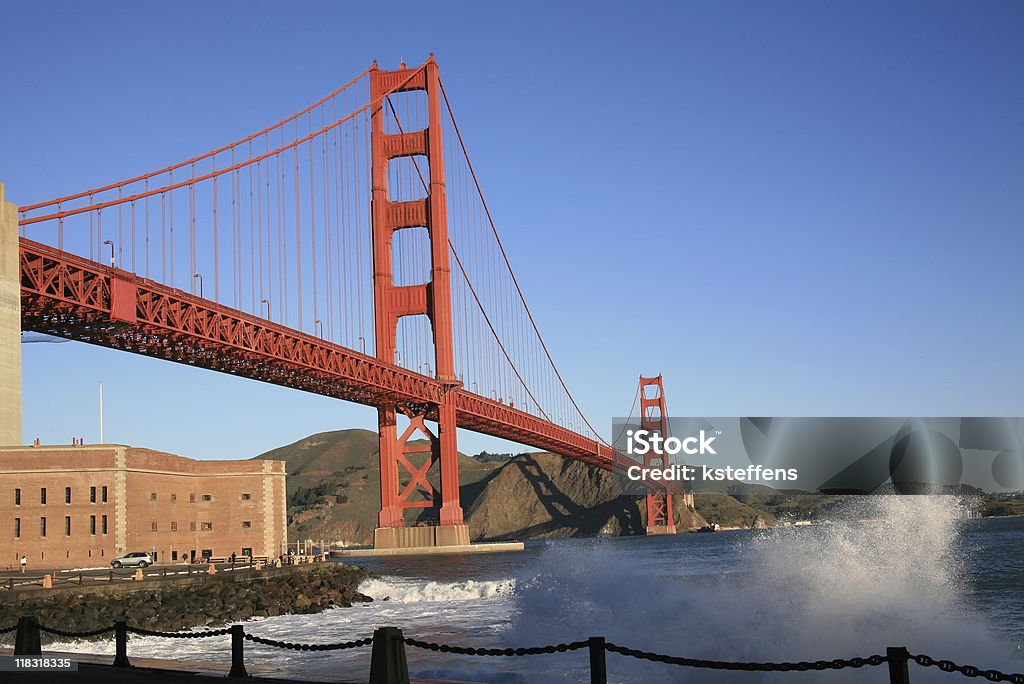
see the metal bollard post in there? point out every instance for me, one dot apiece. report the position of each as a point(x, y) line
point(26, 640)
point(387, 660)
point(598, 669)
point(237, 652)
point(121, 644)
point(898, 657)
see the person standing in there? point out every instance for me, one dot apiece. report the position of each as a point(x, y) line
point(24, 564)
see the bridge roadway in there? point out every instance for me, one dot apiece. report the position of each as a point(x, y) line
point(68, 296)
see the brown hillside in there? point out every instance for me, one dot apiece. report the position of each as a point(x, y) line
point(543, 495)
point(334, 485)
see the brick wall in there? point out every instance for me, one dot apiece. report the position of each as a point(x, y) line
point(154, 502)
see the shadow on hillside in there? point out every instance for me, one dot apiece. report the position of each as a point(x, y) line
point(566, 513)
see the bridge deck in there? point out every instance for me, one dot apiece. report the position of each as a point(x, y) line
point(69, 296)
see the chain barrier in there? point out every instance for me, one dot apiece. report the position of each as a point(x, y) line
point(307, 647)
point(800, 666)
point(75, 635)
point(797, 666)
point(535, 650)
point(179, 635)
point(967, 670)
point(6, 630)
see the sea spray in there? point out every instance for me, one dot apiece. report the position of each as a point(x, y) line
point(399, 591)
point(887, 572)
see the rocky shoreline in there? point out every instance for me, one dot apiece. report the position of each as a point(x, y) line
point(199, 601)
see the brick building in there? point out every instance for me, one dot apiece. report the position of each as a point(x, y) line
point(81, 506)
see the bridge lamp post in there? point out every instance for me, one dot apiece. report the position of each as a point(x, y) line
point(111, 243)
point(321, 324)
point(398, 357)
point(362, 344)
point(267, 302)
point(199, 276)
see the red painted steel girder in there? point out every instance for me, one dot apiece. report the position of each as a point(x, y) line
point(72, 297)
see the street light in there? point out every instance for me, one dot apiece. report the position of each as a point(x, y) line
point(398, 357)
point(267, 302)
point(200, 277)
point(111, 243)
point(321, 324)
point(362, 344)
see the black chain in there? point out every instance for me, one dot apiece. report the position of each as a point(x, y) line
point(179, 635)
point(536, 650)
point(75, 635)
point(5, 630)
point(967, 670)
point(801, 666)
point(308, 647)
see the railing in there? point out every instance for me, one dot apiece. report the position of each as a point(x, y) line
point(388, 663)
point(53, 580)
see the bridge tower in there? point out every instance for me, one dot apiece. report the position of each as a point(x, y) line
point(654, 418)
point(10, 325)
point(432, 299)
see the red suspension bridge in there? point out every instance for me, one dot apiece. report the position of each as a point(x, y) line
point(348, 251)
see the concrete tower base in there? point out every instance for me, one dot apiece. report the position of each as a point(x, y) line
point(420, 537)
point(10, 325)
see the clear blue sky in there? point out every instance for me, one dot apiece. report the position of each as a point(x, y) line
point(788, 208)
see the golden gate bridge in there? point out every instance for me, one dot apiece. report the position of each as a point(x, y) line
point(348, 251)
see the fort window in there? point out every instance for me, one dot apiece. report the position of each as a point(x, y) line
point(174, 527)
point(92, 495)
point(207, 497)
point(17, 497)
point(247, 551)
point(152, 496)
point(174, 497)
point(67, 525)
point(246, 496)
point(67, 495)
point(246, 524)
point(103, 496)
point(42, 495)
point(17, 528)
point(92, 524)
point(42, 527)
point(191, 527)
point(174, 555)
point(207, 526)
point(152, 527)
point(192, 497)
point(103, 525)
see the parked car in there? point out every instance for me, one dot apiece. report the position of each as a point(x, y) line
point(139, 558)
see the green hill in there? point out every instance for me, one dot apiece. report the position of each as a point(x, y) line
point(334, 484)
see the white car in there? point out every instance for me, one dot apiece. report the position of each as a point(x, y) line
point(139, 558)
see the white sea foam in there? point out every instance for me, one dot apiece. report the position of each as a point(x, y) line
point(405, 591)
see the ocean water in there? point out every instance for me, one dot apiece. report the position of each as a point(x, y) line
point(904, 571)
